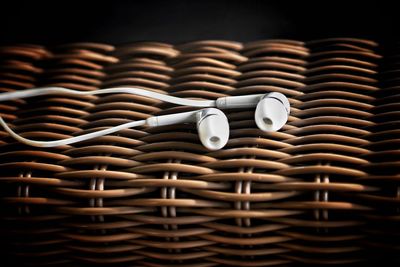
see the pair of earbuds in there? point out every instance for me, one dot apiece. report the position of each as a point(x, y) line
point(271, 114)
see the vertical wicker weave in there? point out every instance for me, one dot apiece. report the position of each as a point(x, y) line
point(323, 190)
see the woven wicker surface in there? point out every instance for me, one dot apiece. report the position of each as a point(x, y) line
point(323, 190)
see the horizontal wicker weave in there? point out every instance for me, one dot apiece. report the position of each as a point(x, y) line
point(323, 190)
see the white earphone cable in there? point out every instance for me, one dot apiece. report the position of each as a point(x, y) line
point(120, 90)
point(70, 140)
point(64, 91)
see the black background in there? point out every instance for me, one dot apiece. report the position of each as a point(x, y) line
point(54, 22)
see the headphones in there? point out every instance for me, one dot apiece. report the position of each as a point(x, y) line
point(271, 114)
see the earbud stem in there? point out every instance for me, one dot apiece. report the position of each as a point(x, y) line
point(171, 119)
point(245, 101)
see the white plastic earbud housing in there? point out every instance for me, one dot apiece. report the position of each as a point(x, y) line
point(212, 125)
point(213, 128)
point(272, 112)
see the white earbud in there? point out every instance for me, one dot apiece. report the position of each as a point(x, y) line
point(212, 125)
point(272, 110)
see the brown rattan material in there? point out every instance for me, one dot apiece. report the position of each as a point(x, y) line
point(323, 190)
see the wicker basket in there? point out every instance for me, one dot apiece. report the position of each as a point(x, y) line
point(323, 190)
